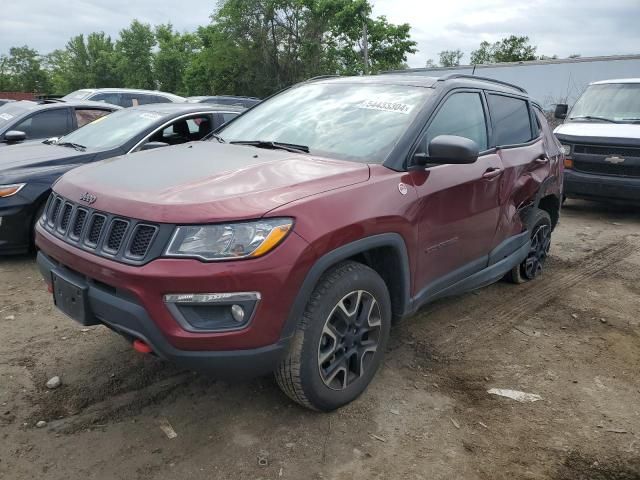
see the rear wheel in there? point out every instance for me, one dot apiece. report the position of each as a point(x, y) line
point(533, 265)
point(340, 341)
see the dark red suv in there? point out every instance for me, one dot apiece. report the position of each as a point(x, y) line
point(291, 240)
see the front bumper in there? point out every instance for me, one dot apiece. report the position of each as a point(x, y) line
point(15, 228)
point(601, 187)
point(124, 315)
point(129, 300)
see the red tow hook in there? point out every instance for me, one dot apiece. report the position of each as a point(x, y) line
point(140, 346)
point(49, 288)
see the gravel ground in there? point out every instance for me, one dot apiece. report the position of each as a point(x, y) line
point(571, 336)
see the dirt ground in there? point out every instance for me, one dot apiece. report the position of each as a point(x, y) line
point(572, 337)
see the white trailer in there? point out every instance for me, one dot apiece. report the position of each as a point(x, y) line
point(549, 81)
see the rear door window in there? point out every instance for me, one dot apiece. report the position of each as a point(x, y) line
point(511, 120)
point(88, 115)
point(50, 123)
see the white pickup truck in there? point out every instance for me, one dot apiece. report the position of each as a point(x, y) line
point(601, 141)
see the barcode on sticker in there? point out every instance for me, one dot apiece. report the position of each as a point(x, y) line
point(394, 107)
point(150, 116)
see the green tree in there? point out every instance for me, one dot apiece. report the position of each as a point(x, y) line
point(89, 63)
point(24, 67)
point(134, 55)
point(173, 59)
point(450, 58)
point(509, 49)
point(256, 47)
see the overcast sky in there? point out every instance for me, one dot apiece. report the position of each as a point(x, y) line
point(561, 27)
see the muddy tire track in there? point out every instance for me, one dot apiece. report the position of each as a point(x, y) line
point(498, 318)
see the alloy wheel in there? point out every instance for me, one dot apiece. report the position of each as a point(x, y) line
point(349, 339)
point(540, 243)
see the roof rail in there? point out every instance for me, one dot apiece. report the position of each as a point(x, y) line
point(320, 77)
point(452, 76)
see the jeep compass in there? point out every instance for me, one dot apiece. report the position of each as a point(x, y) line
point(290, 241)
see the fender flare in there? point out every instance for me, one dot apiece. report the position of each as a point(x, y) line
point(326, 261)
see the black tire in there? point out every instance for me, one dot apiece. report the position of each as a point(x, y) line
point(317, 373)
point(533, 265)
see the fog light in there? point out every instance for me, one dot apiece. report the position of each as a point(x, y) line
point(237, 312)
point(568, 163)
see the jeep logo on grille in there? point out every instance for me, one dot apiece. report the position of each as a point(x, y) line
point(614, 159)
point(88, 198)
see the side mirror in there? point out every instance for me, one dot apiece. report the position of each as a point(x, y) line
point(153, 146)
point(14, 136)
point(561, 111)
point(449, 149)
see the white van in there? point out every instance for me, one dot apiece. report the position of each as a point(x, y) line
point(601, 141)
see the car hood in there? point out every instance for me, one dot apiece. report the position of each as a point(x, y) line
point(204, 182)
point(591, 131)
point(20, 161)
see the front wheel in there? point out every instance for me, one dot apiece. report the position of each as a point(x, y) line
point(533, 265)
point(340, 341)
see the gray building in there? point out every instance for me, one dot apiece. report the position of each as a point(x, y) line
point(549, 81)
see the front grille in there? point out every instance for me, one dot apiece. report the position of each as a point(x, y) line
point(97, 222)
point(607, 151)
point(55, 210)
point(116, 235)
point(607, 168)
point(78, 223)
point(126, 240)
point(141, 240)
point(66, 217)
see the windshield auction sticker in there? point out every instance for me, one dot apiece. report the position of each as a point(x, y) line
point(386, 106)
point(6, 116)
point(151, 116)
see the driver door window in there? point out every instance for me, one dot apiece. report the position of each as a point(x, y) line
point(462, 114)
point(51, 123)
point(184, 130)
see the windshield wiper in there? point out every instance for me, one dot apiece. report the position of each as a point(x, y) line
point(593, 117)
point(76, 146)
point(289, 147)
point(217, 137)
point(632, 120)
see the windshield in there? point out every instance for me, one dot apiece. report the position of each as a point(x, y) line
point(11, 111)
point(114, 129)
point(360, 122)
point(619, 102)
point(77, 95)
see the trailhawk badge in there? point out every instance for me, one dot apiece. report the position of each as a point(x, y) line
point(614, 159)
point(88, 198)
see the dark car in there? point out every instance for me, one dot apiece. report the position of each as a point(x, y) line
point(29, 121)
point(289, 241)
point(124, 97)
point(601, 140)
point(246, 102)
point(28, 171)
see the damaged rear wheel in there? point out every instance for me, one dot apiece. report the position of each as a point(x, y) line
point(533, 264)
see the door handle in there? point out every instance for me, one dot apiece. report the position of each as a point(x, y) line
point(492, 173)
point(542, 159)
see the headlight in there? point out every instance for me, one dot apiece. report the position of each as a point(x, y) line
point(8, 190)
point(229, 241)
point(566, 149)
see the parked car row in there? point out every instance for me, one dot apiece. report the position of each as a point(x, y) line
point(28, 171)
point(287, 239)
point(30, 121)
